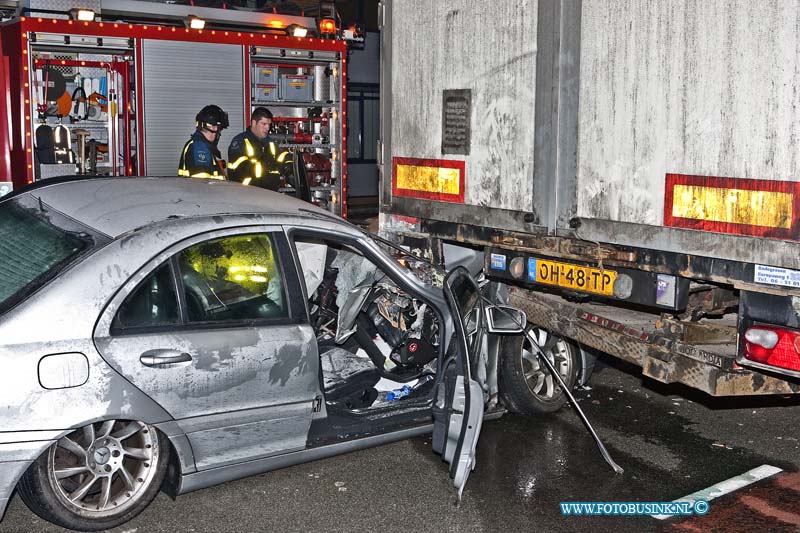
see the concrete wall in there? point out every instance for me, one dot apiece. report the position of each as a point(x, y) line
point(690, 87)
point(489, 47)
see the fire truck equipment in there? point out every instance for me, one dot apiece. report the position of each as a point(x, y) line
point(296, 87)
point(82, 134)
point(79, 111)
point(62, 145)
point(53, 88)
point(64, 104)
point(97, 107)
point(129, 63)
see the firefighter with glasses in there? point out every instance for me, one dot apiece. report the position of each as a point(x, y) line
point(252, 158)
point(201, 157)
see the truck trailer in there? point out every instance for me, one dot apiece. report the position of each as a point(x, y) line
point(628, 170)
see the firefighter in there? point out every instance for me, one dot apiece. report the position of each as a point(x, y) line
point(252, 158)
point(200, 157)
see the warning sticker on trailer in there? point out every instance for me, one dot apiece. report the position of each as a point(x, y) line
point(498, 262)
point(770, 275)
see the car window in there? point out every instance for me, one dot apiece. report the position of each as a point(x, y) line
point(153, 303)
point(35, 243)
point(233, 278)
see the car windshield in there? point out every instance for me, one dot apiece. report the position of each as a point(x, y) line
point(33, 247)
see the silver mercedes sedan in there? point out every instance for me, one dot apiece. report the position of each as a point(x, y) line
point(174, 333)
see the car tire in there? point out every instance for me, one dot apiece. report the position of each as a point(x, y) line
point(94, 453)
point(526, 386)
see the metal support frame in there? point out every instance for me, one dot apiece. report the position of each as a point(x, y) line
point(556, 115)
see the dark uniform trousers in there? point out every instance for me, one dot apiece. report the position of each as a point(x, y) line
point(252, 161)
point(201, 159)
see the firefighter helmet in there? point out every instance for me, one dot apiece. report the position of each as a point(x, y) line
point(212, 115)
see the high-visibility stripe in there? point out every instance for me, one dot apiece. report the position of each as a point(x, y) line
point(733, 206)
point(434, 179)
point(186, 149)
point(246, 181)
point(236, 163)
point(272, 149)
point(249, 147)
point(258, 169)
point(183, 171)
point(206, 175)
point(282, 156)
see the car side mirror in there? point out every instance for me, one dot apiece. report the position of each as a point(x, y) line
point(471, 321)
point(505, 320)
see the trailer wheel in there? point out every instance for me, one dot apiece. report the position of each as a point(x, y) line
point(526, 386)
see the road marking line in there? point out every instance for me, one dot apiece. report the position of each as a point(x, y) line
point(727, 486)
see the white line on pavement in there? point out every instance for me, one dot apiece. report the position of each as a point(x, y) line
point(727, 486)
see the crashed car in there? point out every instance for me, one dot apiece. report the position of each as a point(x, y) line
point(175, 333)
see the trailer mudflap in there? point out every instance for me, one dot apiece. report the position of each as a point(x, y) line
point(653, 344)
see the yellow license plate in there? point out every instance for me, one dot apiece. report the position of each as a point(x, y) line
point(570, 276)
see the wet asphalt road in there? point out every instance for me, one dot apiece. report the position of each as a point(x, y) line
point(671, 442)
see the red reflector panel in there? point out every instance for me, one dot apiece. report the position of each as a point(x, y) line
point(761, 207)
point(785, 353)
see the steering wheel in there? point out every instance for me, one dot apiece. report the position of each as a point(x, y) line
point(378, 359)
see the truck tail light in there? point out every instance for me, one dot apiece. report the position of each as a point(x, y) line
point(774, 346)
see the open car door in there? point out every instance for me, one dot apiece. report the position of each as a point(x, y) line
point(458, 409)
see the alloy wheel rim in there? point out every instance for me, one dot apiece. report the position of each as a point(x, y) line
point(537, 377)
point(103, 469)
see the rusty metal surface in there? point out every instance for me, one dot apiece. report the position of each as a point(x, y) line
point(471, 230)
point(709, 368)
point(699, 333)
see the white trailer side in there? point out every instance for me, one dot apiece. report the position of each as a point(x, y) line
point(702, 88)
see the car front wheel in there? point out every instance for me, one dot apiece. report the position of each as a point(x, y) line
point(98, 476)
point(526, 385)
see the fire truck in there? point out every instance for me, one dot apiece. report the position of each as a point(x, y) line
point(111, 87)
point(628, 171)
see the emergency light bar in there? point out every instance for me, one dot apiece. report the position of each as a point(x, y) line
point(327, 26)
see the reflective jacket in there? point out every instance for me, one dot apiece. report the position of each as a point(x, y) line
point(253, 161)
point(201, 159)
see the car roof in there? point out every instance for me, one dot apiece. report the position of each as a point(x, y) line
point(116, 206)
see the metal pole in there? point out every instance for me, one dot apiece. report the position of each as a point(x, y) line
point(529, 332)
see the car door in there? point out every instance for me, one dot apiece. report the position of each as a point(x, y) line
point(458, 405)
point(217, 336)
